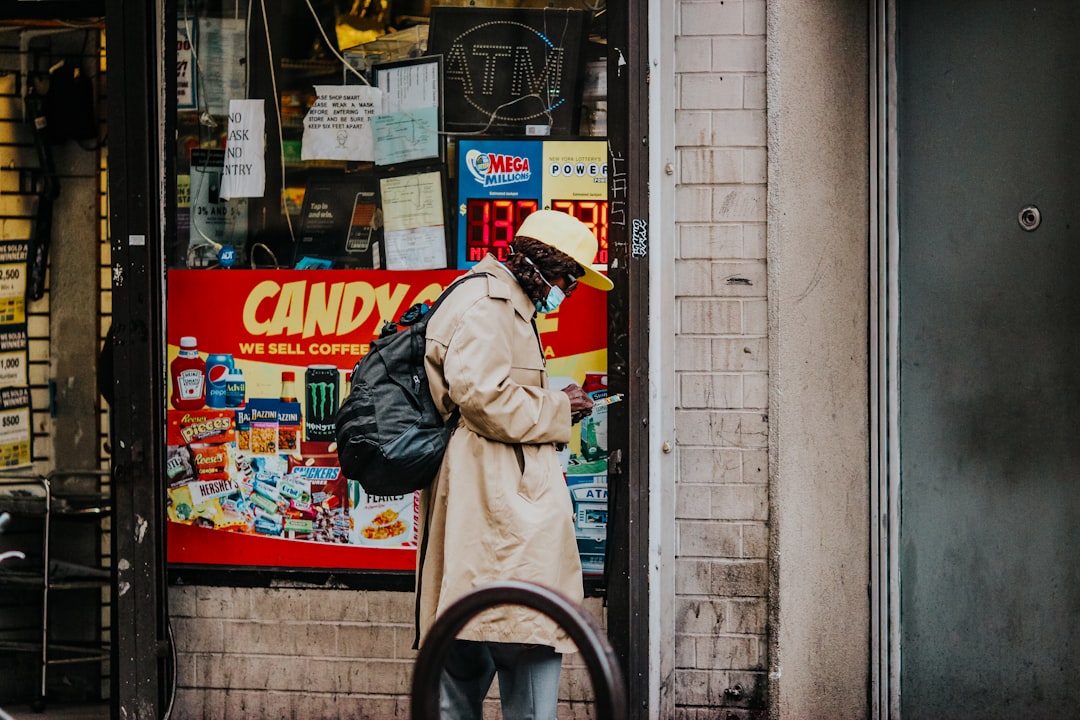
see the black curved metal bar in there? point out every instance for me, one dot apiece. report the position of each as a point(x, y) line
point(607, 681)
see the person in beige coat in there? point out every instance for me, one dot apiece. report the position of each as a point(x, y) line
point(499, 508)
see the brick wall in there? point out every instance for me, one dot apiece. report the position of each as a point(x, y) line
point(721, 412)
point(310, 653)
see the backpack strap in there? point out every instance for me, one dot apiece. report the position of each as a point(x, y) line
point(419, 332)
point(442, 296)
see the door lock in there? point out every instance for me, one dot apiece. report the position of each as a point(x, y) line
point(1029, 218)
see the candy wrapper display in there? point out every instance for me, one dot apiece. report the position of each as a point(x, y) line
point(214, 483)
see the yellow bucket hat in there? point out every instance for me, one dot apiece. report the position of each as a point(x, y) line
point(568, 235)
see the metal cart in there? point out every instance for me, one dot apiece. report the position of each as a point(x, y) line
point(32, 495)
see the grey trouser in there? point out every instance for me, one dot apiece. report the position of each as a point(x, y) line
point(528, 680)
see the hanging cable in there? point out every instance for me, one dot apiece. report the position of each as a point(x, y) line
point(332, 46)
point(277, 109)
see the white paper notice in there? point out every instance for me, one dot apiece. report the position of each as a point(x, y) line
point(222, 67)
point(338, 126)
point(413, 221)
point(404, 136)
point(416, 249)
point(244, 173)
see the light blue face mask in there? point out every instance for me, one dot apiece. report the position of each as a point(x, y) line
point(553, 300)
point(554, 297)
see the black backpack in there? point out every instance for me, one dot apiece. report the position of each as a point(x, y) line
point(390, 436)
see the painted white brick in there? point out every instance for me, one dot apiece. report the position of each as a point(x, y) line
point(693, 204)
point(710, 465)
point(755, 165)
point(693, 577)
point(754, 237)
point(279, 605)
point(745, 616)
point(738, 429)
point(710, 390)
point(755, 466)
point(333, 606)
point(738, 54)
point(738, 578)
point(692, 501)
point(755, 317)
point(366, 640)
point(390, 607)
point(198, 635)
point(711, 18)
point(710, 91)
point(739, 502)
point(693, 128)
point(721, 428)
point(701, 687)
point(693, 427)
point(756, 391)
point(754, 16)
point(710, 316)
point(693, 54)
point(755, 541)
point(685, 651)
point(746, 354)
point(710, 165)
point(733, 652)
point(707, 538)
point(693, 278)
point(710, 241)
point(739, 127)
point(221, 602)
point(754, 92)
point(701, 616)
point(721, 351)
point(693, 353)
point(181, 601)
point(739, 279)
point(739, 202)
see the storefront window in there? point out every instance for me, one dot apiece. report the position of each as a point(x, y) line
point(337, 162)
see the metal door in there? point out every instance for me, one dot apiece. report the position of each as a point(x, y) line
point(989, 123)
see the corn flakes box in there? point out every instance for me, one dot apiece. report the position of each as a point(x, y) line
point(383, 520)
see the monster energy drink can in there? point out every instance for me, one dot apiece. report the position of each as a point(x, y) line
point(321, 401)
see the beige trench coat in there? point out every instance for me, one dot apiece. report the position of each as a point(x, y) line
point(499, 508)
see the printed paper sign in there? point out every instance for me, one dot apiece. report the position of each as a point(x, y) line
point(14, 426)
point(338, 125)
point(13, 359)
point(413, 216)
point(185, 64)
point(13, 258)
point(404, 136)
point(223, 78)
point(244, 171)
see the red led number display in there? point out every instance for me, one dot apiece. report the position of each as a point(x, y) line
point(490, 224)
point(594, 214)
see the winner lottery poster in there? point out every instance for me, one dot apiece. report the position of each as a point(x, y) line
point(260, 360)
